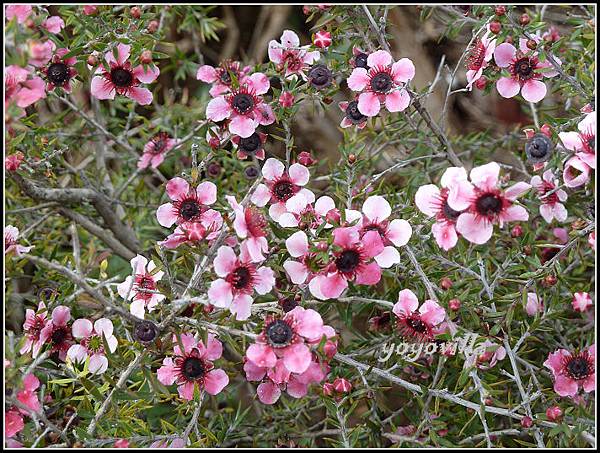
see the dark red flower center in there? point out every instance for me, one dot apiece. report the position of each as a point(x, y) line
point(189, 209)
point(240, 278)
point(381, 82)
point(283, 190)
point(242, 102)
point(488, 204)
point(59, 335)
point(353, 114)
point(279, 333)
point(250, 144)
point(523, 68)
point(416, 324)
point(449, 213)
point(255, 221)
point(193, 368)
point(348, 261)
point(58, 74)
point(411, 326)
point(121, 77)
point(292, 60)
point(579, 366)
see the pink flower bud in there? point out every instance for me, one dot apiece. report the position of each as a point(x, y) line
point(286, 99)
point(454, 304)
point(546, 130)
point(342, 385)
point(122, 443)
point(328, 389)
point(12, 162)
point(306, 159)
point(214, 142)
point(90, 10)
point(330, 349)
point(526, 422)
point(554, 413)
point(581, 301)
point(517, 231)
point(322, 39)
point(333, 216)
point(53, 24)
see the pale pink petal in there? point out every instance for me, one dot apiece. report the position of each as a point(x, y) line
point(310, 323)
point(397, 101)
point(261, 355)
point(297, 244)
point(324, 204)
point(296, 389)
point(102, 88)
point(272, 169)
point(241, 307)
point(218, 109)
point(427, 199)
point(103, 326)
point(516, 190)
point(372, 243)
point(514, 213)
point(473, 229)
point(289, 39)
point(504, 54)
point(297, 358)
point(265, 280)
point(207, 193)
point(147, 75)
point(268, 393)
point(275, 52)
point(388, 257)
point(534, 90)
point(167, 374)
point(61, 315)
point(445, 235)
point(186, 391)
point(299, 174)
point(82, 328)
point(368, 104)
point(98, 364)
point(369, 274)
point(407, 302)
point(376, 208)
point(242, 126)
point(259, 82)
point(142, 96)
point(403, 70)
point(358, 80)
point(571, 140)
point(432, 313)
point(220, 293)
point(207, 74)
point(332, 286)
point(77, 353)
point(276, 210)
point(565, 386)
point(166, 215)
point(485, 176)
point(379, 58)
point(253, 372)
point(296, 271)
point(507, 87)
point(399, 232)
point(460, 195)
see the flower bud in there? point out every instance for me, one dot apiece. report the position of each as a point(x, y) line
point(136, 12)
point(500, 10)
point(454, 304)
point(526, 422)
point(516, 231)
point(153, 26)
point(342, 385)
point(554, 413)
point(145, 331)
point(480, 83)
point(531, 44)
point(146, 57)
point(446, 283)
point(305, 158)
point(286, 99)
point(322, 39)
point(328, 389)
point(495, 27)
point(92, 60)
point(330, 349)
point(351, 158)
point(524, 19)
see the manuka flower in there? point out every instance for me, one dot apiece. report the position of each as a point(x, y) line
point(20, 12)
point(57, 332)
point(289, 338)
point(91, 343)
point(121, 78)
point(306, 262)
point(243, 107)
point(11, 235)
point(300, 211)
point(374, 217)
point(383, 83)
point(433, 202)
point(289, 56)
point(576, 172)
point(155, 150)
point(351, 261)
point(239, 278)
point(252, 146)
point(22, 88)
point(208, 228)
point(417, 323)
point(188, 204)
point(480, 53)
point(534, 304)
point(352, 116)
point(60, 70)
point(484, 204)
point(551, 197)
point(581, 301)
point(249, 224)
point(583, 143)
point(526, 72)
point(221, 76)
point(35, 321)
point(573, 370)
point(281, 185)
point(193, 367)
point(140, 288)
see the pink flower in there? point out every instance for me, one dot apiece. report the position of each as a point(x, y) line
point(11, 234)
point(572, 371)
point(374, 217)
point(288, 338)
point(581, 301)
point(583, 142)
point(480, 53)
point(221, 76)
point(32, 328)
point(422, 324)
point(13, 422)
point(121, 443)
point(352, 116)
point(28, 396)
point(141, 287)
point(351, 262)
point(239, 278)
point(155, 150)
point(120, 78)
point(280, 185)
point(492, 355)
point(534, 304)
point(59, 71)
point(187, 205)
point(194, 367)
point(306, 262)
point(290, 56)
point(551, 198)
point(286, 99)
point(249, 225)
point(525, 71)
point(12, 162)
point(57, 332)
point(301, 210)
point(207, 228)
point(554, 413)
point(21, 12)
point(91, 344)
point(21, 88)
point(484, 204)
point(90, 10)
point(576, 172)
point(40, 52)
point(592, 240)
point(252, 146)
point(433, 202)
point(322, 39)
point(243, 106)
point(54, 24)
point(383, 83)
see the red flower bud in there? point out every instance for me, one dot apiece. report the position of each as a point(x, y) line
point(330, 349)
point(322, 39)
point(554, 413)
point(153, 26)
point(526, 422)
point(328, 389)
point(481, 83)
point(146, 57)
point(286, 99)
point(517, 231)
point(342, 385)
point(525, 19)
point(454, 304)
point(446, 283)
point(495, 27)
point(500, 10)
point(306, 159)
point(136, 12)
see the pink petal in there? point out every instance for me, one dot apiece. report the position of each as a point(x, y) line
point(98, 364)
point(571, 140)
point(220, 293)
point(147, 75)
point(82, 328)
point(103, 326)
point(332, 286)
point(261, 195)
point(102, 88)
point(225, 261)
point(358, 80)
point(215, 381)
point(123, 52)
point(268, 393)
point(473, 229)
point(507, 87)
point(514, 213)
point(310, 323)
point(534, 90)
point(432, 313)
point(445, 235)
point(166, 215)
point(516, 190)
point(376, 208)
point(565, 386)
point(397, 101)
point(345, 237)
point(369, 274)
point(296, 389)
point(275, 52)
point(379, 58)
point(242, 126)
point(403, 70)
point(259, 82)
point(388, 257)
point(265, 280)
point(407, 302)
point(297, 357)
point(61, 315)
point(167, 374)
point(399, 232)
point(207, 193)
point(485, 176)
point(368, 104)
point(372, 243)
point(186, 391)
point(460, 195)
point(218, 109)
point(299, 174)
point(241, 307)
point(289, 39)
point(142, 96)
point(261, 355)
point(427, 199)
point(297, 244)
point(504, 54)
point(207, 74)
point(253, 372)
point(296, 271)
point(272, 169)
